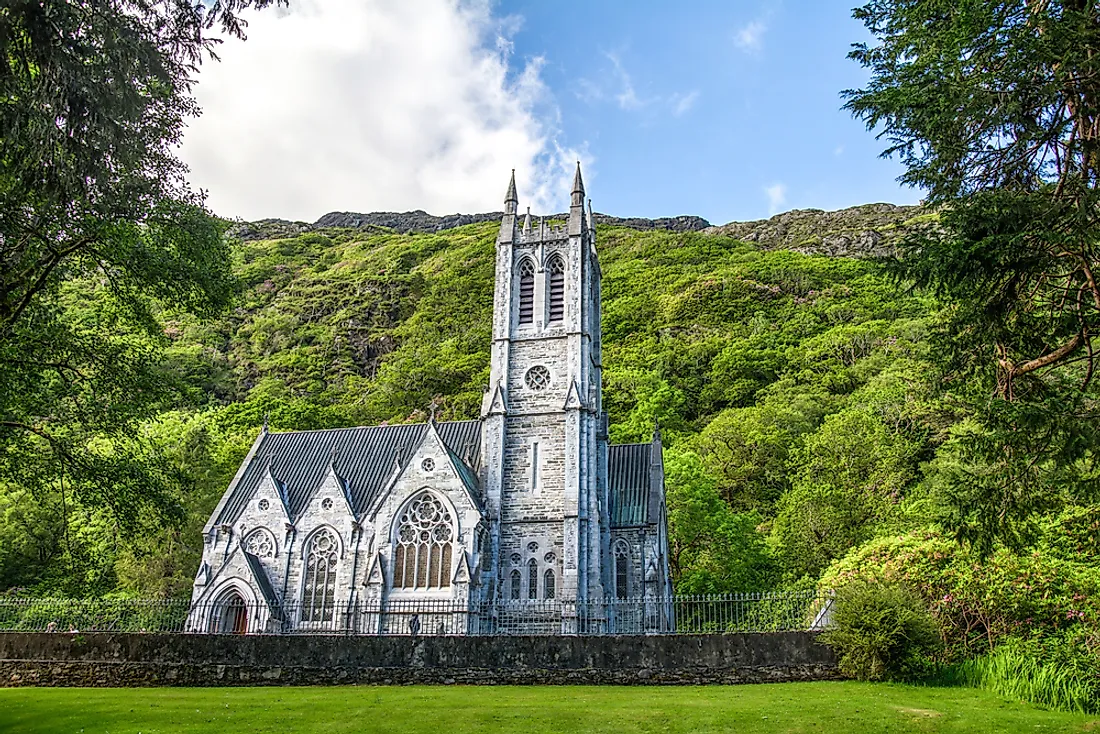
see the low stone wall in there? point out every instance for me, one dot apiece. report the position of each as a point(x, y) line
point(42, 659)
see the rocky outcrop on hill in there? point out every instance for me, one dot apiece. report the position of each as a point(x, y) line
point(420, 221)
point(870, 230)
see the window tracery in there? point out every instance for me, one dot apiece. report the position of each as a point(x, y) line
point(515, 582)
point(537, 378)
point(318, 596)
point(548, 583)
point(422, 559)
point(260, 543)
point(622, 580)
point(532, 579)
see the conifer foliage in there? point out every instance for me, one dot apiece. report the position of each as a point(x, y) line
point(994, 108)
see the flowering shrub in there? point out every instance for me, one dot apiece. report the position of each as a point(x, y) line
point(978, 603)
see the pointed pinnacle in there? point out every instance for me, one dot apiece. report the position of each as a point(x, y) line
point(578, 183)
point(527, 221)
point(511, 195)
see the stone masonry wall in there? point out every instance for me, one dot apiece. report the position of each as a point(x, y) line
point(42, 659)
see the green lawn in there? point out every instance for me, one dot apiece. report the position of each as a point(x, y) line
point(837, 708)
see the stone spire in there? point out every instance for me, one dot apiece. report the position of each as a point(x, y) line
point(511, 200)
point(591, 218)
point(527, 222)
point(578, 187)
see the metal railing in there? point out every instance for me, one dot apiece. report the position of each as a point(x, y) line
point(682, 614)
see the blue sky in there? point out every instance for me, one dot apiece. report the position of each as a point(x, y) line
point(730, 111)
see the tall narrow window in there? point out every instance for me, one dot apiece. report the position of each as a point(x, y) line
point(516, 580)
point(622, 558)
point(532, 579)
point(526, 292)
point(557, 289)
point(535, 466)
point(318, 597)
point(422, 558)
point(548, 583)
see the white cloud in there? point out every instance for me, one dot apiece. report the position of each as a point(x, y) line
point(367, 105)
point(750, 37)
point(623, 93)
point(777, 197)
point(626, 96)
point(682, 103)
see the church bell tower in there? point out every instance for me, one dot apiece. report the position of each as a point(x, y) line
point(544, 433)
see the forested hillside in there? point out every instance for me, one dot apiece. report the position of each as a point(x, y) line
point(801, 411)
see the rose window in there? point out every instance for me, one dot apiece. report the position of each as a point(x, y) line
point(427, 465)
point(264, 504)
point(422, 559)
point(260, 544)
point(537, 378)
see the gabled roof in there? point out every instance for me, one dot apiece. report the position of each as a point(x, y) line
point(628, 479)
point(299, 460)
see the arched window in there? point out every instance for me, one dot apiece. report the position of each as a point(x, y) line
point(622, 579)
point(318, 596)
point(548, 583)
point(515, 583)
point(260, 543)
point(557, 289)
point(526, 292)
point(532, 579)
point(422, 559)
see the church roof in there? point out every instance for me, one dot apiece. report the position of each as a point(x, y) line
point(629, 478)
point(264, 583)
point(364, 458)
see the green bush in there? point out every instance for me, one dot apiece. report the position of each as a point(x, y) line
point(978, 602)
point(881, 631)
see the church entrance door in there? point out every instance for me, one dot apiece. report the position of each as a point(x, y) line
point(234, 616)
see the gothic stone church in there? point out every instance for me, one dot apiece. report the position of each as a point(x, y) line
point(330, 529)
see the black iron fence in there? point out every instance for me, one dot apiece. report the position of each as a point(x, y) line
point(681, 614)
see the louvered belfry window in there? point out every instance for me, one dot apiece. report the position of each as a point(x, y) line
point(557, 289)
point(526, 292)
point(422, 559)
point(318, 599)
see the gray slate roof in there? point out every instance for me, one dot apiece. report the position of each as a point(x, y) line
point(364, 459)
point(628, 478)
point(268, 593)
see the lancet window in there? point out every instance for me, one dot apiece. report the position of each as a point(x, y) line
point(319, 594)
point(557, 289)
point(516, 580)
point(526, 292)
point(549, 582)
point(532, 579)
point(622, 579)
point(422, 559)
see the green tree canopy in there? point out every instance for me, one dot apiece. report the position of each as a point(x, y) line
point(994, 108)
point(99, 232)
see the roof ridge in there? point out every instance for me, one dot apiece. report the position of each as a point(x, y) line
point(360, 428)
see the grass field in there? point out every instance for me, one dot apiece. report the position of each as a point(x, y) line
point(789, 707)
